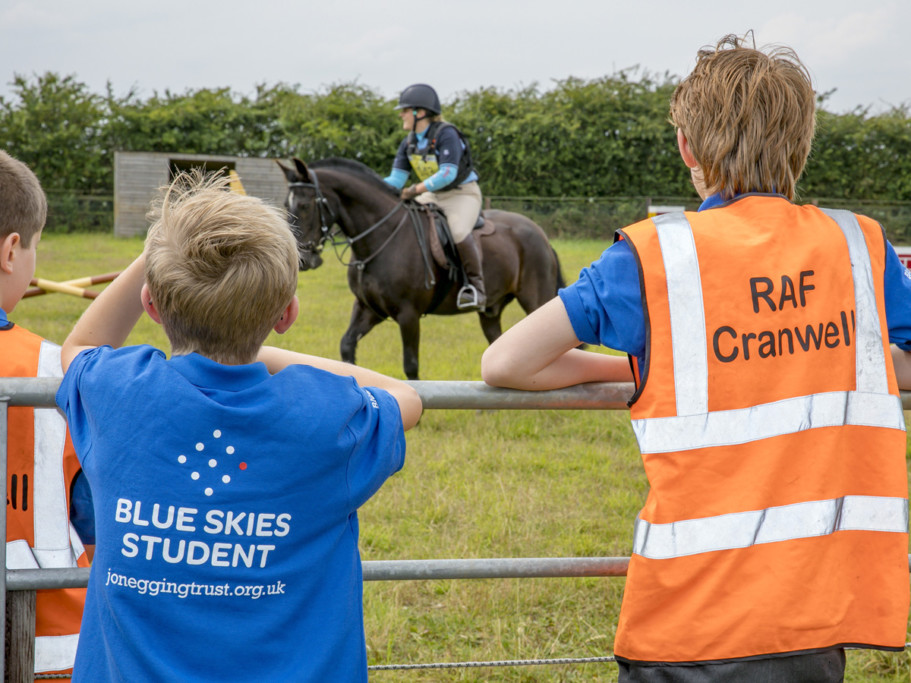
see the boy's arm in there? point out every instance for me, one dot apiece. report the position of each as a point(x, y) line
point(539, 353)
point(109, 318)
point(902, 361)
point(408, 399)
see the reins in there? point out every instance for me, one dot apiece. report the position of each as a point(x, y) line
point(327, 234)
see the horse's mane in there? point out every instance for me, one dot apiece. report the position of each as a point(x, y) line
point(357, 168)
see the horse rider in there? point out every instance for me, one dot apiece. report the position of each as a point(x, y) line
point(439, 155)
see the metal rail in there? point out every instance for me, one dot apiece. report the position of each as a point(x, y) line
point(386, 570)
point(479, 396)
point(436, 395)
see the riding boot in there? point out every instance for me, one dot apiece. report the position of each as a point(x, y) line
point(472, 295)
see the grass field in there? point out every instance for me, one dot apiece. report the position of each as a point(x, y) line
point(475, 484)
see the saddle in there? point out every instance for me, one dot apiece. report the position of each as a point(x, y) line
point(442, 245)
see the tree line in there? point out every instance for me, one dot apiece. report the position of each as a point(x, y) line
point(605, 137)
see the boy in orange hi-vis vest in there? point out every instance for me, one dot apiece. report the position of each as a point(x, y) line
point(767, 406)
point(43, 473)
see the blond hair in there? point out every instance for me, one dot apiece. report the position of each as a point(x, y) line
point(748, 116)
point(23, 205)
point(221, 268)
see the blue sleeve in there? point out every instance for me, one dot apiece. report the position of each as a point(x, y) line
point(445, 176)
point(69, 401)
point(87, 382)
point(397, 178)
point(605, 304)
point(897, 287)
point(82, 511)
point(379, 444)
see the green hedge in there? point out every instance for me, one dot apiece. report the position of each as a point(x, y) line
point(601, 217)
point(580, 218)
point(605, 137)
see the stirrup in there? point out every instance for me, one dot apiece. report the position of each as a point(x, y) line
point(468, 298)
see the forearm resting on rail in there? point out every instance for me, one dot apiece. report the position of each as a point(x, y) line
point(408, 399)
point(539, 353)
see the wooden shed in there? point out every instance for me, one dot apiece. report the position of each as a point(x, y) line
point(138, 175)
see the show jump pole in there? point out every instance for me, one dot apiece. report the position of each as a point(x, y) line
point(74, 287)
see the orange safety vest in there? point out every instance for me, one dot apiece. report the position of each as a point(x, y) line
point(40, 470)
point(772, 434)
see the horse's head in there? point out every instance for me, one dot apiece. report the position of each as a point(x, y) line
point(308, 213)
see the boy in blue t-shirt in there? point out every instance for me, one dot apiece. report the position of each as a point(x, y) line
point(227, 479)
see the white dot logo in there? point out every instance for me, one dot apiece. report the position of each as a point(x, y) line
point(212, 472)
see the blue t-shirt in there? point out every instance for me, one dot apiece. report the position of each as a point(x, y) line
point(225, 508)
point(605, 303)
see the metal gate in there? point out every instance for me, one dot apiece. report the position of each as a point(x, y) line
point(435, 395)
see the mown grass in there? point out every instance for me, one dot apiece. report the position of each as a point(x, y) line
point(475, 484)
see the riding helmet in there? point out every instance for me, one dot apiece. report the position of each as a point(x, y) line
point(420, 96)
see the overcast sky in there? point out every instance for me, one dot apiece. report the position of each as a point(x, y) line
point(859, 49)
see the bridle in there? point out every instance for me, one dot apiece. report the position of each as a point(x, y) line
point(328, 219)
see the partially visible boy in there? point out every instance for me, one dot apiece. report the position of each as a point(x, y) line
point(226, 497)
point(767, 410)
point(42, 469)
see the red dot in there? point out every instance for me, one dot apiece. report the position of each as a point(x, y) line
point(243, 465)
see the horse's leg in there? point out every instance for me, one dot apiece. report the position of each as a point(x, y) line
point(410, 329)
point(491, 326)
point(362, 321)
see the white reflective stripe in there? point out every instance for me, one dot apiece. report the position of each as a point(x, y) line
point(19, 555)
point(76, 544)
point(785, 523)
point(49, 510)
point(684, 293)
point(788, 416)
point(55, 558)
point(49, 360)
point(868, 347)
point(53, 653)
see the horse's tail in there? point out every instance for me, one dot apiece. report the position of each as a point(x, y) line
point(561, 282)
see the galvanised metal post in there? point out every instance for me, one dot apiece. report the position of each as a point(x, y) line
point(4, 407)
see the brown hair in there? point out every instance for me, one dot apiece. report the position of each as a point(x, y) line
point(23, 206)
point(748, 116)
point(221, 267)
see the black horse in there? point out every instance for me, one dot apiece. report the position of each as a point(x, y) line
point(392, 272)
